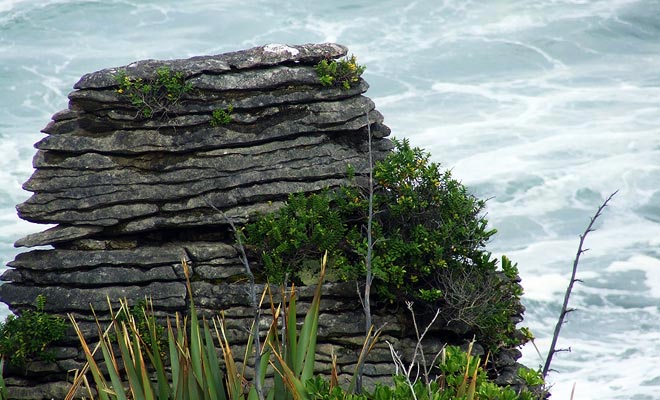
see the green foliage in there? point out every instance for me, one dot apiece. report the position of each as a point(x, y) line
point(527, 333)
point(155, 96)
point(139, 368)
point(461, 377)
point(26, 337)
point(429, 243)
point(429, 223)
point(343, 73)
point(319, 388)
point(531, 377)
point(221, 117)
point(297, 235)
point(141, 316)
point(295, 356)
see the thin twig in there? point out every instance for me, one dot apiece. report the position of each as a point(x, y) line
point(417, 353)
point(400, 364)
point(255, 305)
point(368, 261)
point(420, 338)
point(366, 299)
point(564, 309)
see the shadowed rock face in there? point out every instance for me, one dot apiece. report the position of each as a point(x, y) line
point(131, 196)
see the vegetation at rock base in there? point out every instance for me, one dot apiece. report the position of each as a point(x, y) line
point(190, 367)
point(429, 244)
point(26, 338)
point(155, 96)
point(461, 376)
point(141, 364)
point(343, 73)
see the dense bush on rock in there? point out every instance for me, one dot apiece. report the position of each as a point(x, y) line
point(430, 235)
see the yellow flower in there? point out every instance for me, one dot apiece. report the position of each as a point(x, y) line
point(120, 91)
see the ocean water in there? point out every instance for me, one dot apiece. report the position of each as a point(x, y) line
point(543, 106)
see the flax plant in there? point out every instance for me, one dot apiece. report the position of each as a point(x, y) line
point(294, 359)
point(189, 368)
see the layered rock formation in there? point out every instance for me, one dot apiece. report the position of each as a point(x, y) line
point(132, 196)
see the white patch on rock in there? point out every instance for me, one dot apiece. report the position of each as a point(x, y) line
point(280, 48)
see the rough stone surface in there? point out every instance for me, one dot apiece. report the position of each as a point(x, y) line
point(131, 197)
point(29, 390)
point(257, 57)
point(57, 234)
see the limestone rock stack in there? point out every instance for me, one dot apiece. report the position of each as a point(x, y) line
point(132, 196)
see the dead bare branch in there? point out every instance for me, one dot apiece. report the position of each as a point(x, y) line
point(565, 309)
point(253, 300)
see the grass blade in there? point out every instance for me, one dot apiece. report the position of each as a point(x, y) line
point(100, 381)
point(309, 329)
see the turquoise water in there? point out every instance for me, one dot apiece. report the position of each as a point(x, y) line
point(544, 106)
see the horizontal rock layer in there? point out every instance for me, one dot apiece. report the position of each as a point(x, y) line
point(106, 170)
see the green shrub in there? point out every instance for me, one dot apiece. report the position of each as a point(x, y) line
point(429, 243)
point(343, 73)
point(531, 377)
point(155, 96)
point(295, 237)
point(221, 117)
point(26, 337)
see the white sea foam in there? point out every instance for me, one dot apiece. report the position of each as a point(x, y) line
point(649, 265)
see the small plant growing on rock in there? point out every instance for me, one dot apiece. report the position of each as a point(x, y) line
point(221, 116)
point(343, 73)
point(531, 377)
point(155, 96)
point(26, 337)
